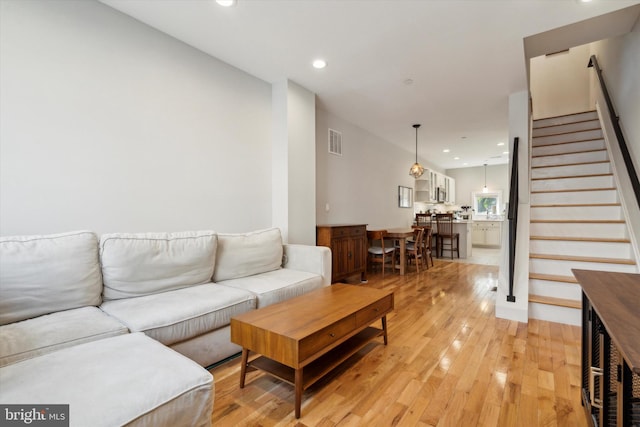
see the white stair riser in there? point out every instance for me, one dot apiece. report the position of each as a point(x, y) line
point(572, 118)
point(565, 128)
point(548, 288)
point(563, 268)
point(564, 159)
point(578, 212)
point(573, 183)
point(573, 170)
point(572, 197)
point(576, 136)
point(550, 313)
point(573, 147)
point(613, 231)
point(576, 248)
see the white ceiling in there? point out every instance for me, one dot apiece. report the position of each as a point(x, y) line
point(464, 56)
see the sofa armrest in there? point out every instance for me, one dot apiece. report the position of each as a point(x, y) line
point(313, 259)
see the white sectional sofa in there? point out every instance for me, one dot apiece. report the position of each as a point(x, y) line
point(105, 324)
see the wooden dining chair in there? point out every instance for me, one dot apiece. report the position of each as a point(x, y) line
point(427, 240)
point(444, 222)
point(415, 249)
point(423, 219)
point(377, 252)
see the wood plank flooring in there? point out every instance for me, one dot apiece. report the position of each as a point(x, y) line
point(449, 362)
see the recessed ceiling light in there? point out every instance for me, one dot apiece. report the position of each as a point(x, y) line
point(226, 3)
point(500, 144)
point(465, 164)
point(456, 158)
point(446, 150)
point(319, 63)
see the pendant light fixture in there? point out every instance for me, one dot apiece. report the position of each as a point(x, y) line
point(416, 170)
point(485, 189)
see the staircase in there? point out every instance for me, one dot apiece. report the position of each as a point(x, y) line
point(576, 217)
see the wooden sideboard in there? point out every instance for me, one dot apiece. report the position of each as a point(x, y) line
point(610, 347)
point(348, 244)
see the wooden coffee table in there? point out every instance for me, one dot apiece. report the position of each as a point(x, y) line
point(300, 340)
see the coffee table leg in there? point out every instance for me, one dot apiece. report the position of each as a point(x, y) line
point(243, 366)
point(384, 328)
point(298, 387)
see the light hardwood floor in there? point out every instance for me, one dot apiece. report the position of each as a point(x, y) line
point(449, 362)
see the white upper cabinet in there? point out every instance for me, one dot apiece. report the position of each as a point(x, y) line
point(434, 187)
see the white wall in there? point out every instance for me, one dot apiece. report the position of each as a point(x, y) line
point(519, 126)
point(619, 59)
point(471, 179)
point(294, 168)
point(361, 186)
point(559, 83)
point(110, 125)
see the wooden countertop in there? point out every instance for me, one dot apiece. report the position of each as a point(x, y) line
point(616, 299)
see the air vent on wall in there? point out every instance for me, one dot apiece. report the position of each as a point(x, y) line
point(335, 142)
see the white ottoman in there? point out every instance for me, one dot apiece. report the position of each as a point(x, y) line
point(125, 380)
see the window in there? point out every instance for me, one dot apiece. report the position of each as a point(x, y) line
point(487, 204)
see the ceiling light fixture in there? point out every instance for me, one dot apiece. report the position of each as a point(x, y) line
point(416, 170)
point(226, 3)
point(319, 64)
point(485, 189)
point(446, 150)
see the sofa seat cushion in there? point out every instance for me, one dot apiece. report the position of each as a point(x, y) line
point(43, 274)
point(175, 316)
point(139, 264)
point(125, 380)
point(276, 286)
point(40, 335)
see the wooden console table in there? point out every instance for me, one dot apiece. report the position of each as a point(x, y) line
point(348, 244)
point(610, 347)
point(304, 338)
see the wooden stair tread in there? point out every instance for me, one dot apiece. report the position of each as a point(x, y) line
point(560, 302)
point(561, 124)
point(571, 164)
point(553, 277)
point(567, 142)
point(564, 115)
point(573, 190)
point(577, 221)
point(572, 176)
point(574, 205)
point(570, 152)
point(580, 239)
point(583, 259)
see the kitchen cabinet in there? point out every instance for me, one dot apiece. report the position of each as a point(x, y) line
point(426, 187)
point(486, 233)
point(450, 188)
point(348, 244)
point(610, 386)
point(423, 192)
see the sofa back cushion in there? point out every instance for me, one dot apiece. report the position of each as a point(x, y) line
point(42, 274)
point(241, 255)
point(148, 263)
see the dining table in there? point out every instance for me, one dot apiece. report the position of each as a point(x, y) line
point(401, 234)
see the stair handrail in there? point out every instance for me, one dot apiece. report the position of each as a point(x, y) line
point(615, 119)
point(512, 217)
